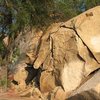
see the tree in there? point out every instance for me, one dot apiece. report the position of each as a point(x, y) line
point(91, 3)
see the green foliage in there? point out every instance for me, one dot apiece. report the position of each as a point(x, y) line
point(16, 54)
point(3, 81)
point(1, 51)
point(1, 46)
point(69, 8)
point(91, 3)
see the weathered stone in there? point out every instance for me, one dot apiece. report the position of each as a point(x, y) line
point(93, 83)
point(88, 30)
point(28, 41)
point(6, 41)
point(42, 55)
point(60, 94)
point(85, 95)
point(26, 93)
point(97, 88)
point(48, 63)
point(68, 52)
point(36, 93)
point(32, 93)
point(72, 75)
point(57, 94)
point(44, 50)
point(20, 76)
point(47, 82)
point(66, 60)
point(34, 46)
point(90, 63)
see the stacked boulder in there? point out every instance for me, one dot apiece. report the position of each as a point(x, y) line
point(66, 53)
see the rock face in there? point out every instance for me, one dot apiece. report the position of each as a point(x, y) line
point(88, 36)
point(89, 31)
point(91, 84)
point(20, 77)
point(68, 52)
point(47, 82)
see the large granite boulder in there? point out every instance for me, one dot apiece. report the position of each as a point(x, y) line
point(68, 52)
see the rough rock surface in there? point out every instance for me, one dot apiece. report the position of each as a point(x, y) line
point(64, 51)
point(20, 77)
point(89, 36)
point(47, 82)
point(93, 83)
point(58, 94)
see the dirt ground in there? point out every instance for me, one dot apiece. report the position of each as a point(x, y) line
point(11, 96)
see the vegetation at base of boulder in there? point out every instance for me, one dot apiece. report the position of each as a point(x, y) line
point(15, 55)
point(3, 81)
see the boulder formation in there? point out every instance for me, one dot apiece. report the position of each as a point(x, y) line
point(66, 52)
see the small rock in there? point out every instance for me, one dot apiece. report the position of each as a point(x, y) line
point(60, 94)
point(47, 82)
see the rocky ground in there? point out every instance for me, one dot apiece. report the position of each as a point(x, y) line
point(92, 85)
